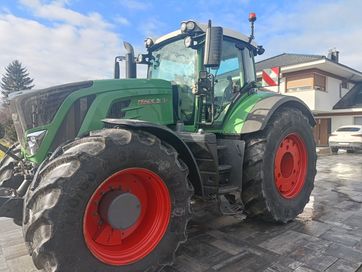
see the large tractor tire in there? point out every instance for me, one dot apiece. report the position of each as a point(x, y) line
point(8, 176)
point(279, 167)
point(118, 200)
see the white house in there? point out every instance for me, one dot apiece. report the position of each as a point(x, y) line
point(332, 91)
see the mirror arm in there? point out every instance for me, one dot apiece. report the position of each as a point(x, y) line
point(252, 32)
point(212, 94)
point(205, 89)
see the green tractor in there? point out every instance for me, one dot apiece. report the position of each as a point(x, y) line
point(112, 170)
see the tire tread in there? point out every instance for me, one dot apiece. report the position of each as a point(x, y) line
point(37, 227)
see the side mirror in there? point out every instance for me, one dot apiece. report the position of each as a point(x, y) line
point(131, 66)
point(213, 46)
point(2, 131)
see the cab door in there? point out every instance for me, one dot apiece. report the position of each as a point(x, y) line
point(235, 70)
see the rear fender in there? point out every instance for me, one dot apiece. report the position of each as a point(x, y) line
point(263, 110)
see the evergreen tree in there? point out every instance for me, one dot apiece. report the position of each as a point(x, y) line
point(16, 78)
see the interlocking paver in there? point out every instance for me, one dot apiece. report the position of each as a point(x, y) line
point(326, 237)
point(343, 266)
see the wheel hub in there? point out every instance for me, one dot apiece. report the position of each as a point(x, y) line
point(287, 165)
point(290, 166)
point(127, 216)
point(120, 210)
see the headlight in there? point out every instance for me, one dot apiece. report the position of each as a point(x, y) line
point(190, 25)
point(34, 140)
point(188, 41)
point(183, 27)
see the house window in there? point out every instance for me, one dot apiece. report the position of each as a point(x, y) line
point(301, 82)
point(319, 82)
point(344, 84)
point(306, 81)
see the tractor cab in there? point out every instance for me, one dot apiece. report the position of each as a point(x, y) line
point(209, 68)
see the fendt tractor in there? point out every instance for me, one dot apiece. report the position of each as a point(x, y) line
point(107, 173)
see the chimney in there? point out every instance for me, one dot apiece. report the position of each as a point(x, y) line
point(333, 55)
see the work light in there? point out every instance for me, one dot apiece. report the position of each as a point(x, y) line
point(188, 26)
point(183, 27)
point(188, 41)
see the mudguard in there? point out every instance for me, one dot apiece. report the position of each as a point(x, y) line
point(260, 114)
point(169, 137)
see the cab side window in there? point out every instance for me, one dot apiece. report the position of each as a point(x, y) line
point(248, 57)
point(229, 74)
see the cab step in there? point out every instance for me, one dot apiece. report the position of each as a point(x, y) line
point(227, 189)
point(223, 168)
point(221, 147)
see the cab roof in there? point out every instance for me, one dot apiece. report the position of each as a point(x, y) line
point(227, 32)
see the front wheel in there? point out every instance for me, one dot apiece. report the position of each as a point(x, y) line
point(279, 167)
point(118, 200)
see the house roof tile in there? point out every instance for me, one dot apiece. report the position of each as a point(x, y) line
point(286, 59)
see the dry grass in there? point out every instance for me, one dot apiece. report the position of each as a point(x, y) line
point(4, 143)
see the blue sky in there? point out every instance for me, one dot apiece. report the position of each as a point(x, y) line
point(68, 40)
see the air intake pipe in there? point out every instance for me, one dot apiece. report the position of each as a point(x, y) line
point(131, 66)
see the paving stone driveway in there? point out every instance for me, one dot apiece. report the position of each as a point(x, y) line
point(326, 237)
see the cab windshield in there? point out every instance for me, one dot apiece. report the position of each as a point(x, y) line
point(176, 63)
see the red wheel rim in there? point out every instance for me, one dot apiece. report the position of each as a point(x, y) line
point(123, 247)
point(290, 166)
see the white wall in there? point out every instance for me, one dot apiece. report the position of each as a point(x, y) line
point(326, 100)
point(317, 100)
point(307, 97)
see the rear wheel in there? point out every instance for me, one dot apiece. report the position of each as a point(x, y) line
point(119, 199)
point(279, 168)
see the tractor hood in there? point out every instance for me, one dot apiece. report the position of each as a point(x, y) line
point(38, 107)
point(47, 108)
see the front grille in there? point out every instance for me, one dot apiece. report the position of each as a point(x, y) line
point(73, 121)
point(38, 108)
